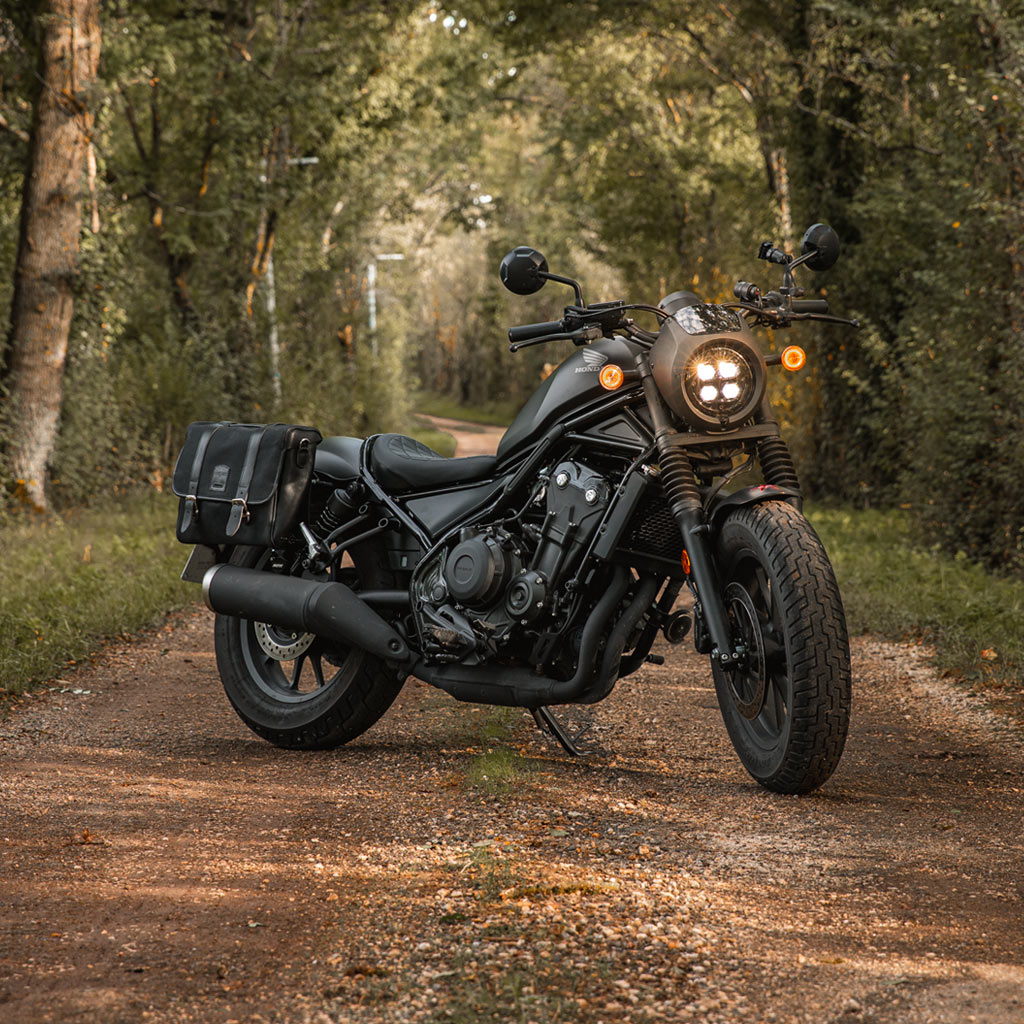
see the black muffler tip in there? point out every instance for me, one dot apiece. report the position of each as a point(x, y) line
point(325, 608)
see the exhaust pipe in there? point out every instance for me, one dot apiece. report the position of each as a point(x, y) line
point(330, 610)
point(519, 687)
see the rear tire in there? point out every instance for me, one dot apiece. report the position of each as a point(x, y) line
point(297, 690)
point(787, 710)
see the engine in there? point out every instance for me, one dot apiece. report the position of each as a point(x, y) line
point(496, 586)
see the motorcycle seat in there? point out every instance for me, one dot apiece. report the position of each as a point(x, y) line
point(401, 463)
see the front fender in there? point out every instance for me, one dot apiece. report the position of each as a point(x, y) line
point(722, 505)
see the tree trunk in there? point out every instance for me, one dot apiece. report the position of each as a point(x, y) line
point(47, 262)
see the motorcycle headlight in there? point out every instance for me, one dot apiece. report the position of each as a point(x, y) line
point(718, 380)
point(709, 367)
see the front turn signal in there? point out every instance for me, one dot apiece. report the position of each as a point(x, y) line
point(793, 357)
point(611, 377)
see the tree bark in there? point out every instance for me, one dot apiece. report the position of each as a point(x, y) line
point(47, 261)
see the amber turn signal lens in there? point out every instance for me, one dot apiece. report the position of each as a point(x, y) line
point(793, 357)
point(686, 562)
point(611, 377)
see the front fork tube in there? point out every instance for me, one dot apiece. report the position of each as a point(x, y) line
point(704, 583)
point(683, 496)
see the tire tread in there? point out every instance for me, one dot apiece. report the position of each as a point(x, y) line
point(818, 646)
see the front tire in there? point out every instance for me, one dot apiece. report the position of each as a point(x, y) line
point(787, 709)
point(298, 690)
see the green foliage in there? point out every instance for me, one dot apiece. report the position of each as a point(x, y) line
point(67, 584)
point(643, 147)
point(896, 584)
point(909, 149)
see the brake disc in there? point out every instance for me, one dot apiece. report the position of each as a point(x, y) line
point(282, 644)
point(752, 678)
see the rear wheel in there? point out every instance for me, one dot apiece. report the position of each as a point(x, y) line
point(787, 706)
point(299, 690)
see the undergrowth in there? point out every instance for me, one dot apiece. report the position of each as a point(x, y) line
point(495, 414)
point(893, 585)
point(69, 582)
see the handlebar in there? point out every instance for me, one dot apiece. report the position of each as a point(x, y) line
point(580, 325)
point(525, 332)
point(810, 306)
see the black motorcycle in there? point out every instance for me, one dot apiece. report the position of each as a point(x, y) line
point(540, 576)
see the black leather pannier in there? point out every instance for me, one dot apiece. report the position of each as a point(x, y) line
point(242, 483)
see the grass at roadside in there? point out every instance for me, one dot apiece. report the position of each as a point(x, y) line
point(442, 443)
point(67, 583)
point(893, 586)
point(495, 414)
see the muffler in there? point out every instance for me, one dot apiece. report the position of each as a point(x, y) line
point(327, 609)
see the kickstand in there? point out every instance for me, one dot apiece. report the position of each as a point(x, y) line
point(547, 723)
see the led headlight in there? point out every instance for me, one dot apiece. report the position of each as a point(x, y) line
point(718, 379)
point(708, 367)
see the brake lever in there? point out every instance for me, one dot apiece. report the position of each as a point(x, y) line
point(825, 318)
point(579, 337)
point(778, 317)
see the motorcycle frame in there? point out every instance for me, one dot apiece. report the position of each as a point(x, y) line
point(698, 526)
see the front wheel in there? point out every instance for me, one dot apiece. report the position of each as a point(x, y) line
point(298, 690)
point(787, 706)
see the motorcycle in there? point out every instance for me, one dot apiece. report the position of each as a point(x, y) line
point(540, 576)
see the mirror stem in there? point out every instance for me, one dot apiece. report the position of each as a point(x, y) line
point(565, 280)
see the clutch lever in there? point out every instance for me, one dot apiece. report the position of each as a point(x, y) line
point(578, 337)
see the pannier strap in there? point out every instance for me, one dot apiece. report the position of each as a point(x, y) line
point(239, 509)
point(190, 506)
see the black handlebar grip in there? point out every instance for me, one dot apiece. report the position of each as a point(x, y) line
point(527, 331)
point(810, 306)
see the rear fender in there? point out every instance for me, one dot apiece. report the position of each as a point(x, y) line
point(338, 457)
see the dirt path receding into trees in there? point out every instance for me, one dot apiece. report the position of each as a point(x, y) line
point(162, 864)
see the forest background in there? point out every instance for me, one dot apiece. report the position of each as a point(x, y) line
point(245, 166)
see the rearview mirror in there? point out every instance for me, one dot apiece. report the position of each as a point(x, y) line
point(523, 270)
point(821, 240)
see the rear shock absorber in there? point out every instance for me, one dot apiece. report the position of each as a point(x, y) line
point(341, 505)
point(776, 463)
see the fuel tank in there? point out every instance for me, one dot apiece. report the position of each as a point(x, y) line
point(571, 387)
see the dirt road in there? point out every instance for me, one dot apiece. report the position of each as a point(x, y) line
point(162, 864)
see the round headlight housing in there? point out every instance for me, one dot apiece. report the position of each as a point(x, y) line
point(718, 380)
point(709, 368)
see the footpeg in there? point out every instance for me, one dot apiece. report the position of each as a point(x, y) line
point(547, 723)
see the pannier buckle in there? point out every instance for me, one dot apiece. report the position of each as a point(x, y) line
point(239, 513)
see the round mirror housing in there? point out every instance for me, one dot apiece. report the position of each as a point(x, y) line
point(821, 240)
point(522, 270)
